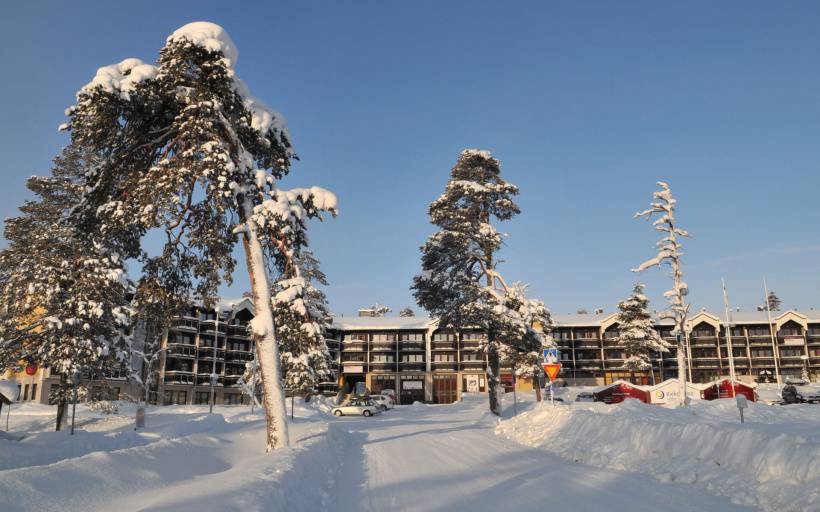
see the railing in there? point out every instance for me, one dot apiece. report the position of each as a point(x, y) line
point(205, 380)
point(412, 366)
point(382, 367)
point(444, 345)
point(469, 345)
point(238, 355)
point(472, 364)
point(444, 365)
point(383, 346)
point(412, 346)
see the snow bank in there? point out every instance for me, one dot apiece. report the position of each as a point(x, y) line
point(772, 461)
point(9, 389)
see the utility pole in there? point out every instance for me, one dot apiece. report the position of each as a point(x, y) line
point(728, 310)
point(771, 332)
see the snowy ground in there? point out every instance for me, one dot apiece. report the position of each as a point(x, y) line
point(412, 458)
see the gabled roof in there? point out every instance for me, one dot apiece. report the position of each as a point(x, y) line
point(386, 323)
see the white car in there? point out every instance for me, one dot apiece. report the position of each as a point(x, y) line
point(357, 407)
point(383, 402)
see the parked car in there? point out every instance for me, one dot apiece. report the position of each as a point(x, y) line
point(383, 402)
point(391, 393)
point(792, 394)
point(585, 396)
point(357, 407)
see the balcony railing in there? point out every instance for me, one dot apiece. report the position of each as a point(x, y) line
point(238, 356)
point(444, 345)
point(382, 367)
point(383, 346)
point(445, 365)
point(469, 345)
point(472, 364)
point(412, 366)
point(412, 347)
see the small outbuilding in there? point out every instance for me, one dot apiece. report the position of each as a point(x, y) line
point(619, 391)
point(723, 389)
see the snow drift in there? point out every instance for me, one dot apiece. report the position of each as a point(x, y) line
point(772, 461)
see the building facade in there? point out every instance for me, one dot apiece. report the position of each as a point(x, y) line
point(421, 362)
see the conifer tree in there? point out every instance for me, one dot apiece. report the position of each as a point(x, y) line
point(63, 290)
point(460, 283)
point(636, 333)
point(188, 151)
point(302, 317)
point(670, 253)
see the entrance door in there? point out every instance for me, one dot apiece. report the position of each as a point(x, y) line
point(444, 389)
point(412, 389)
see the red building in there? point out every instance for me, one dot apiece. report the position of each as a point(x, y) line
point(619, 391)
point(723, 389)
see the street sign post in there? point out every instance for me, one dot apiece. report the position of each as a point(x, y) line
point(551, 369)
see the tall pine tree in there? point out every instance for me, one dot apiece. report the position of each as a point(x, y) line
point(669, 253)
point(63, 290)
point(636, 332)
point(188, 151)
point(460, 283)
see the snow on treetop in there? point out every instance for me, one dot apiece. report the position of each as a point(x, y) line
point(483, 153)
point(263, 118)
point(209, 36)
point(121, 78)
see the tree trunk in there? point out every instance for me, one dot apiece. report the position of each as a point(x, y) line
point(682, 401)
point(493, 377)
point(62, 403)
point(267, 348)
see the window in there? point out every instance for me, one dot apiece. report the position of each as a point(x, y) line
point(471, 356)
point(759, 331)
point(737, 332)
point(611, 335)
point(413, 358)
point(790, 331)
point(560, 335)
point(233, 399)
point(444, 357)
point(586, 334)
point(384, 337)
point(202, 398)
point(412, 336)
point(473, 336)
point(444, 336)
point(761, 352)
point(34, 391)
point(175, 397)
point(382, 358)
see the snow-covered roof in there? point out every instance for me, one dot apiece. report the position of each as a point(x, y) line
point(9, 389)
point(364, 323)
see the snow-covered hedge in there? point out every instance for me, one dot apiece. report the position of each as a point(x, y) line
point(772, 461)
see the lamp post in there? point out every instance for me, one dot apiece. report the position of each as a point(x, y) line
point(75, 379)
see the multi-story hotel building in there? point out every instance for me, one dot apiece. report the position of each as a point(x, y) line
point(422, 362)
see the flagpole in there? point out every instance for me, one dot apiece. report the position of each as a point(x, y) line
point(728, 310)
point(771, 332)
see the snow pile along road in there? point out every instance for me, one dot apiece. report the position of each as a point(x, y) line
point(772, 461)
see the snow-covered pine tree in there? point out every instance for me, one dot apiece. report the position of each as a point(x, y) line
point(669, 253)
point(187, 150)
point(774, 302)
point(302, 317)
point(407, 312)
point(636, 332)
point(459, 282)
point(63, 290)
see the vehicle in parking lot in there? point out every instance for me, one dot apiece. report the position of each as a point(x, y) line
point(799, 394)
point(585, 396)
point(391, 393)
point(356, 407)
point(383, 402)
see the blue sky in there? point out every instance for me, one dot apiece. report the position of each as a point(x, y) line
point(586, 104)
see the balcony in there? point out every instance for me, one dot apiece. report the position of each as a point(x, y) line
point(445, 365)
point(204, 379)
point(473, 365)
point(382, 367)
point(444, 345)
point(185, 325)
point(179, 377)
point(231, 380)
point(412, 366)
point(586, 344)
point(211, 353)
point(412, 347)
point(238, 356)
point(181, 350)
point(383, 346)
point(470, 345)
point(354, 346)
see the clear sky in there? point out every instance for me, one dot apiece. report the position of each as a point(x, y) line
point(586, 104)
